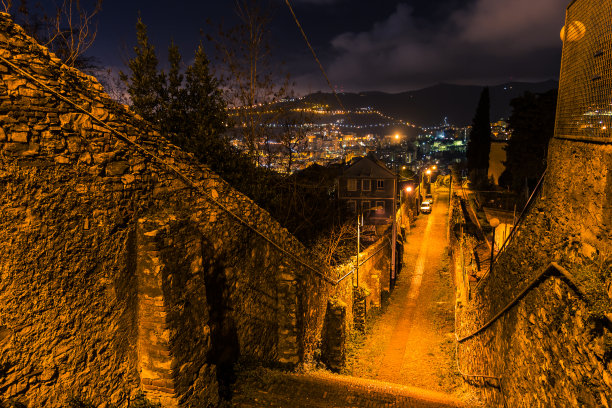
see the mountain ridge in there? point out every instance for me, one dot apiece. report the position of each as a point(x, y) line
point(431, 105)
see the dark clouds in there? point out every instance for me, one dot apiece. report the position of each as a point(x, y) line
point(490, 41)
point(386, 45)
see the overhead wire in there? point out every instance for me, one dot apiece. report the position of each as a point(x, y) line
point(314, 54)
point(171, 167)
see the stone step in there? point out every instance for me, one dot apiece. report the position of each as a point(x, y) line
point(269, 388)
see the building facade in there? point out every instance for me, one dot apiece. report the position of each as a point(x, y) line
point(367, 184)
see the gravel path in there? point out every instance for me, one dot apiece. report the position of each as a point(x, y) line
point(407, 357)
point(412, 341)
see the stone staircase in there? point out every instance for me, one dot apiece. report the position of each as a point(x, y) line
point(268, 388)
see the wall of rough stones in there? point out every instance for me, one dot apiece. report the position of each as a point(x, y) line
point(374, 270)
point(124, 264)
point(554, 347)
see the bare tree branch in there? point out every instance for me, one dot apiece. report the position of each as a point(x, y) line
point(73, 30)
point(6, 5)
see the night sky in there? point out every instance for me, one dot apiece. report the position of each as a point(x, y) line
point(382, 45)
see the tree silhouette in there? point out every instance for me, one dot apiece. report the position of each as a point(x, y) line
point(533, 124)
point(479, 144)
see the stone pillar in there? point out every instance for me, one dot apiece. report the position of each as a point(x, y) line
point(288, 347)
point(333, 350)
point(360, 296)
point(154, 358)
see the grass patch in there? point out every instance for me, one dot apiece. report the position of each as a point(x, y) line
point(355, 344)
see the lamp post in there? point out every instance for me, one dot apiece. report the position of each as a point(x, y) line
point(494, 223)
point(422, 185)
point(359, 222)
point(409, 200)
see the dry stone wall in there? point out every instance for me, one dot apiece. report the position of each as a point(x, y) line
point(124, 264)
point(554, 347)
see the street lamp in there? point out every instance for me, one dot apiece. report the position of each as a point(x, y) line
point(359, 222)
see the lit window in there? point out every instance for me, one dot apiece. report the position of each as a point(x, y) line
point(380, 184)
point(365, 185)
point(351, 185)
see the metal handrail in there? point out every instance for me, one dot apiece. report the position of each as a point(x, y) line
point(550, 270)
point(186, 179)
point(514, 228)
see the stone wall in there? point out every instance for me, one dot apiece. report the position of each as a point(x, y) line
point(554, 347)
point(124, 264)
point(374, 270)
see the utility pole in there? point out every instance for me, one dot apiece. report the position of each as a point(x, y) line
point(393, 232)
point(357, 263)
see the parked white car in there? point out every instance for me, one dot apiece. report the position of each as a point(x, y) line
point(426, 207)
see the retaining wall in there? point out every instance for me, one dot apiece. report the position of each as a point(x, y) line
point(554, 347)
point(124, 264)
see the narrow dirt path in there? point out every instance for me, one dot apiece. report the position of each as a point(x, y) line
point(412, 342)
point(407, 357)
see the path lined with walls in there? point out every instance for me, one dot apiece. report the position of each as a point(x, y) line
point(412, 342)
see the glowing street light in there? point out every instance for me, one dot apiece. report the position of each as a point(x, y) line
point(409, 189)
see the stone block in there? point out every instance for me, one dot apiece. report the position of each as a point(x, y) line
point(13, 84)
point(19, 137)
point(117, 168)
point(74, 144)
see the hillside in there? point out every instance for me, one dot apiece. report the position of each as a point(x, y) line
point(429, 106)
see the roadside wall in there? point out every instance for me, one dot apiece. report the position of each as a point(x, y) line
point(554, 348)
point(374, 270)
point(124, 264)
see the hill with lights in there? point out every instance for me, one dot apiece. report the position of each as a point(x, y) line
point(425, 107)
point(313, 115)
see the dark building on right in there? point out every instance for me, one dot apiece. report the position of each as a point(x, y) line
point(584, 109)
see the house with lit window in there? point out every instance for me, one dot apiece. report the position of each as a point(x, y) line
point(367, 183)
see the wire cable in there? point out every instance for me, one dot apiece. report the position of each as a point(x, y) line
point(171, 167)
point(314, 54)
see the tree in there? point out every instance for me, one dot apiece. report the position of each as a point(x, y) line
point(145, 84)
point(187, 106)
point(68, 32)
point(249, 75)
point(6, 5)
point(479, 144)
point(532, 123)
point(206, 116)
point(338, 245)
